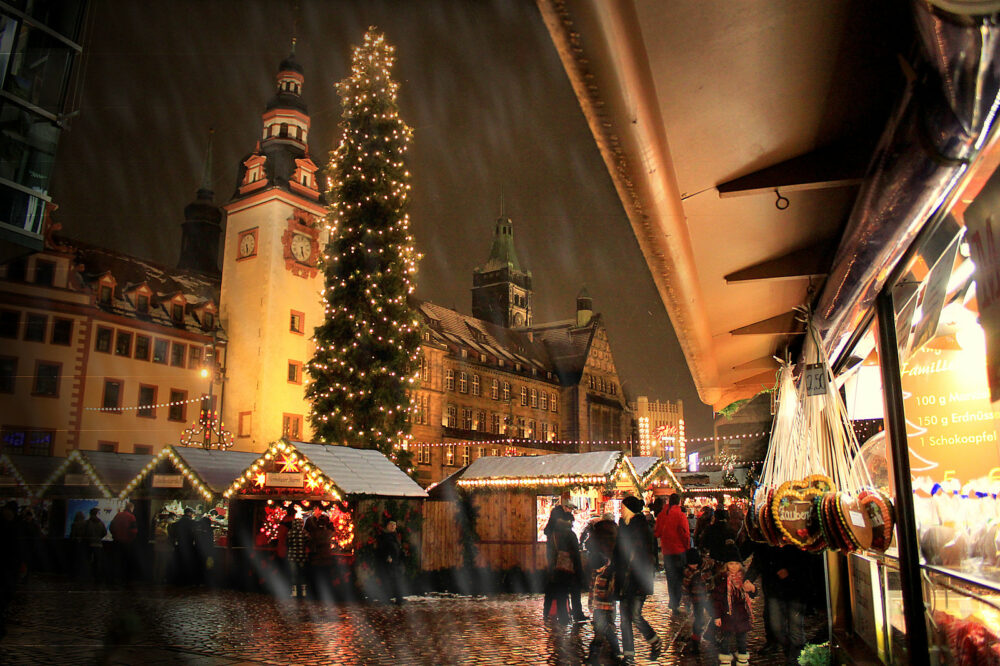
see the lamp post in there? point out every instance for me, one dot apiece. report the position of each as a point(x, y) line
point(212, 370)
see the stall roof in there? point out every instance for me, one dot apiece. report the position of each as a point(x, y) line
point(643, 464)
point(212, 470)
point(31, 472)
point(360, 471)
point(560, 469)
point(111, 472)
point(648, 467)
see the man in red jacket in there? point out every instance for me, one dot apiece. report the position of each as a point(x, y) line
point(674, 534)
point(124, 529)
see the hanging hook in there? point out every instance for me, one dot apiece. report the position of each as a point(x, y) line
point(782, 202)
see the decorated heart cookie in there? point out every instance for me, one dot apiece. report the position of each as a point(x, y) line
point(878, 508)
point(791, 510)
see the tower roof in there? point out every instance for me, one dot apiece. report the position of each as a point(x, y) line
point(502, 253)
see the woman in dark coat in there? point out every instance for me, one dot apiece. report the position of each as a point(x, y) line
point(634, 572)
point(565, 569)
point(718, 535)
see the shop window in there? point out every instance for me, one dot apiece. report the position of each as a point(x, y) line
point(142, 347)
point(142, 449)
point(449, 379)
point(8, 374)
point(291, 426)
point(10, 323)
point(243, 426)
point(34, 328)
point(294, 372)
point(147, 401)
point(102, 340)
point(111, 400)
point(27, 441)
point(123, 343)
point(62, 331)
point(107, 447)
point(177, 408)
point(160, 348)
point(297, 322)
point(177, 354)
point(47, 379)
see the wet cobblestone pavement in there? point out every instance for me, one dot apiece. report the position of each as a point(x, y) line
point(56, 621)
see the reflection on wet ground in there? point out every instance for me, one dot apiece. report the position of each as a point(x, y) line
point(57, 621)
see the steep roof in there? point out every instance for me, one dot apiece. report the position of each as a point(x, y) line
point(360, 471)
point(110, 472)
point(29, 472)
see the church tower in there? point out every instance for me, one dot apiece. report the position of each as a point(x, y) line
point(501, 291)
point(271, 281)
point(202, 226)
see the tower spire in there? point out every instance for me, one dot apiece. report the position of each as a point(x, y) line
point(206, 171)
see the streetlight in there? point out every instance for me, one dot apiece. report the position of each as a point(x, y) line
point(213, 370)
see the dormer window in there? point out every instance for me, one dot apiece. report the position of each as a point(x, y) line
point(104, 294)
point(177, 313)
point(208, 321)
point(142, 304)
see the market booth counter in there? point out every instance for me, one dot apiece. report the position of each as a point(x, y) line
point(82, 481)
point(358, 490)
point(180, 478)
point(511, 498)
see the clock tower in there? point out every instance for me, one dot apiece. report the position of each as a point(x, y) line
point(501, 291)
point(270, 279)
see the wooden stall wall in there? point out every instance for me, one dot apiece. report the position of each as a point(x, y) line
point(442, 538)
point(506, 530)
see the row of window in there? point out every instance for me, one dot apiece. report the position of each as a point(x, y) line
point(44, 383)
point(457, 454)
point(40, 442)
point(603, 384)
point(36, 328)
point(105, 294)
point(498, 424)
point(500, 390)
point(146, 400)
point(145, 348)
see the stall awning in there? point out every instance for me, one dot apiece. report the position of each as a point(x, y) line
point(209, 471)
point(109, 472)
point(562, 469)
point(29, 473)
point(338, 470)
point(651, 468)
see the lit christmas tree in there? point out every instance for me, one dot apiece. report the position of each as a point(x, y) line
point(367, 346)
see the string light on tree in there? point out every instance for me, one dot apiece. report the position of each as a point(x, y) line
point(367, 346)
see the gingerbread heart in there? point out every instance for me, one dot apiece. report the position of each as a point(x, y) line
point(857, 521)
point(791, 509)
point(878, 508)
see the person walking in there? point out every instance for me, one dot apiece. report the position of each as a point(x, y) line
point(298, 556)
point(94, 533)
point(321, 556)
point(674, 534)
point(698, 581)
point(784, 576)
point(602, 593)
point(124, 528)
point(182, 536)
point(389, 554)
point(562, 512)
point(719, 535)
point(732, 609)
point(565, 571)
point(634, 577)
point(702, 524)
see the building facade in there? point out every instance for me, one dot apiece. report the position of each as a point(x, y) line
point(40, 46)
point(109, 351)
point(660, 426)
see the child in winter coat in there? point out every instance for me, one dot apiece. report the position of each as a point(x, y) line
point(697, 582)
point(733, 611)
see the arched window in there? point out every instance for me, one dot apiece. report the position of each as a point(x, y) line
point(284, 129)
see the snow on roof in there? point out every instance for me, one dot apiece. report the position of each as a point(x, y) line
point(596, 463)
point(216, 469)
point(360, 471)
point(643, 464)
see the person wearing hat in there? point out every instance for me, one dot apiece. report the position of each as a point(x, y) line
point(732, 608)
point(634, 576)
point(561, 513)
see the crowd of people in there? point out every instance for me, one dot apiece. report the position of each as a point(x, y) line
point(713, 575)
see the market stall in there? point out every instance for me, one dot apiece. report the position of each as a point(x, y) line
point(22, 477)
point(353, 492)
point(179, 478)
point(513, 496)
point(655, 476)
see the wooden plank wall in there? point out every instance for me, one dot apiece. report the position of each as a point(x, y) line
point(506, 530)
point(441, 544)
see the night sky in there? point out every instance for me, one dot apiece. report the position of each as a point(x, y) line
point(492, 111)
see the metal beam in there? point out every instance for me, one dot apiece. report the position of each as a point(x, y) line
point(789, 323)
point(838, 165)
point(808, 262)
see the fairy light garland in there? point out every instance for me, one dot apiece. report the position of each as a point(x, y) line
point(200, 433)
point(314, 478)
point(175, 403)
point(168, 453)
point(8, 464)
point(76, 456)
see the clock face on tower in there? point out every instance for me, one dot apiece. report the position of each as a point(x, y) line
point(302, 248)
point(247, 244)
point(301, 245)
